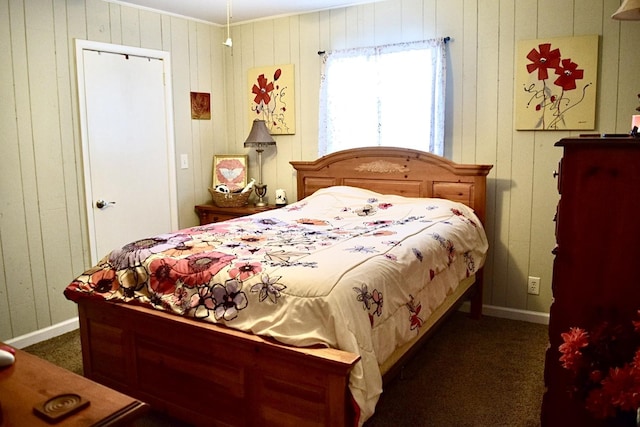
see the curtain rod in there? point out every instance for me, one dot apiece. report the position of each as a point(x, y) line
point(446, 40)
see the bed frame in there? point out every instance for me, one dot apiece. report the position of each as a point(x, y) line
point(241, 379)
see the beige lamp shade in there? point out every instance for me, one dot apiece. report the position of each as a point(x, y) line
point(259, 135)
point(628, 11)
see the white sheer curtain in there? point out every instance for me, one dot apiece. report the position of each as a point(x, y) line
point(392, 95)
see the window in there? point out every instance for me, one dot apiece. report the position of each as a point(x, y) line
point(390, 95)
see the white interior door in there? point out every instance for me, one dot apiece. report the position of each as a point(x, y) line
point(128, 147)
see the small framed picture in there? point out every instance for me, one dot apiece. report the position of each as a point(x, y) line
point(230, 170)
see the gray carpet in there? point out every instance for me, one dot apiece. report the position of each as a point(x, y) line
point(486, 372)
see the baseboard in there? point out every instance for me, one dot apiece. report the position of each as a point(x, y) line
point(44, 333)
point(511, 313)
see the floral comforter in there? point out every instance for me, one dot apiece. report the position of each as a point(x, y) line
point(345, 267)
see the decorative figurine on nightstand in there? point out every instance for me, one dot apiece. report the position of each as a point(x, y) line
point(281, 197)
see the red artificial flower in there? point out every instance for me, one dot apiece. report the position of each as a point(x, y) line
point(262, 90)
point(574, 341)
point(568, 73)
point(543, 59)
point(605, 363)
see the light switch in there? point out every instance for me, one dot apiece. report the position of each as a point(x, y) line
point(184, 161)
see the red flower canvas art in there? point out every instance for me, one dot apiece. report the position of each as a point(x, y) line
point(556, 83)
point(271, 98)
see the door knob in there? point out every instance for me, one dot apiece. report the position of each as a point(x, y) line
point(101, 204)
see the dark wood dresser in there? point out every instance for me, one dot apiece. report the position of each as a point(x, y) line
point(596, 271)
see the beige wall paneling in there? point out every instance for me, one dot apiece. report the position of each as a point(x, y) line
point(13, 242)
point(65, 75)
point(199, 128)
point(150, 30)
point(10, 155)
point(203, 144)
point(337, 28)
point(264, 44)
point(298, 56)
point(518, 187)
point(430, 27)
point(411, 17)
point(181, 69)
point(76, 28)
point(469, 83)
point(353, 24)
point(99, 20)
point(388, 22)
point(231, 79)
point(366, 26)
point(71, 163)
point(236, 82)
point(210, 41)
point(26, 267)
point(310, 67)
point(609, 57)
point(555, 19)
point(115, 23)
point(284, 46)
point(629, 76)
point(516, 192)
point(129, 26)
point(450, 22)
point(484, 101)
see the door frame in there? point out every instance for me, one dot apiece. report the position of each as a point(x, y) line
point(165, 57)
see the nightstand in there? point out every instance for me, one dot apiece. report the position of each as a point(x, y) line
point(209, 213)
point(32, 381)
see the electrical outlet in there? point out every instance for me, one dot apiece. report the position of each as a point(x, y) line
point(533, 286)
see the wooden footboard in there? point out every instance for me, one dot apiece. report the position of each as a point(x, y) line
point(210, 375)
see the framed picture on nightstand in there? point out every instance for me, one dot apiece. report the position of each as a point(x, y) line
point(230, 170)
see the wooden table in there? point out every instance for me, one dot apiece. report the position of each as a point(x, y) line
point(209, 213)
point(31, 381)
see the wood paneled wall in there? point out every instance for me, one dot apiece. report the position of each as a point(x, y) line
point(43, 225)
point(43, 241)
point(522, 191)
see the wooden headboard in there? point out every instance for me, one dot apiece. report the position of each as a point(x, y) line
point(400, 171)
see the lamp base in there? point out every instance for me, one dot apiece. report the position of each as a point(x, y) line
point(261, 191)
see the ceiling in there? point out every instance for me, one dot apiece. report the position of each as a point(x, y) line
point(215, 11)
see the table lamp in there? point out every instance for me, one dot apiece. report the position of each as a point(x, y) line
point(259, 137)
point(628, 11)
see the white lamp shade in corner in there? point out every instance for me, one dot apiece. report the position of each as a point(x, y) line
point(628, 11)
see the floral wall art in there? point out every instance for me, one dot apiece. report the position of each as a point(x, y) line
point(271, 98)
point(556, 83)
point(200, 106)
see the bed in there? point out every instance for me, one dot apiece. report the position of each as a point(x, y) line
point(173, 326)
